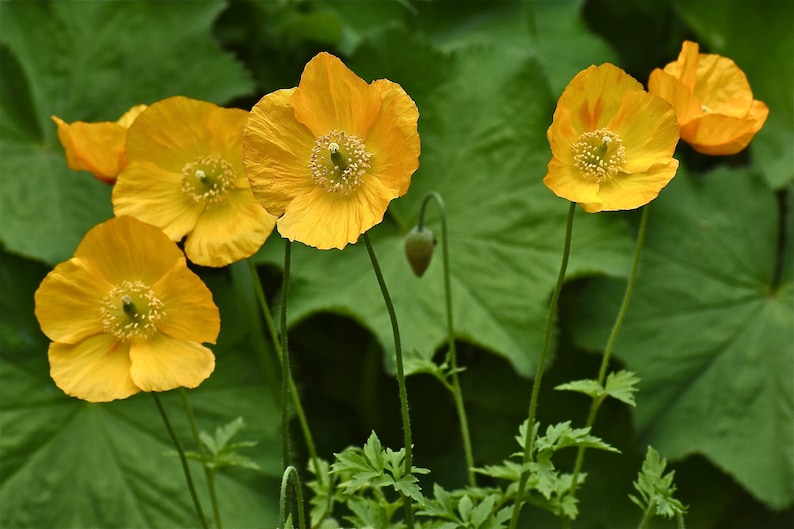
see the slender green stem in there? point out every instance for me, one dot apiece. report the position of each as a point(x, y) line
point(295, 397)
point(646, 517)
point(409, 514)
point(209, 475)
point(457, 392)
point(602, 372)
point(286, 374)
point(529, 439)
point(183, 460)
point(291, 473)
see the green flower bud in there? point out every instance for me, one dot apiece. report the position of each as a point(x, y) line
point(419, 245)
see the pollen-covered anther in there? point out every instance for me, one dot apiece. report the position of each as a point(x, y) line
point(339, 161)
point(599, 155)
point(131, 310)
point(207, 178)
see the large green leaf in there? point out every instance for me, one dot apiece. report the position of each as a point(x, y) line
point(709, 330)
point(68, 463)
point(483, 116)
point(89, 61)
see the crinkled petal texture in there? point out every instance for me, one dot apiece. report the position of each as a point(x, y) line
point(712, 99)
point(284, 129)
point(80, 302)
point(96, 369)
point(185, 176)
point(607, 101)
point(98, 148)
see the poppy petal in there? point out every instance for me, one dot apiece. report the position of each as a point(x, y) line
point(68, 301)
point(324, 95)
point(96, 369)
point(160, 363)
point(276, 152)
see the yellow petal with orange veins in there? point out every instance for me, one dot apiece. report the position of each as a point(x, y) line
point(329, 220)
point(331, 97)
point(562, 135)
point(94, 147)
point(154, 195)
point(648, 128)
point(126, 249)
point(189, 312)
point(567, 182)
point(716, 134)
point(393, 139)
point(685, 68)
point(229, 231)
point(160, 363)
point(630, 191)
point(68, 301)
point(722, 87)
point(595, 94)
point(226, 125)
point(687, 107)
point(96, 369)
point(166, 135)
point(276, 152)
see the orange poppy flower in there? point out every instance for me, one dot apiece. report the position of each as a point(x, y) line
point(97, 147)
point(715, 106)
point(327, 157)
point(612, 143)
point(125, 314)
point(185, 176)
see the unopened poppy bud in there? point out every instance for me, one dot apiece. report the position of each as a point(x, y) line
point(419, 245)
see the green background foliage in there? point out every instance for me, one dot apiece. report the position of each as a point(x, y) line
point(709, 330)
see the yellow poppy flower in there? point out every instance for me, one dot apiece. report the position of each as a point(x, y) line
point(327, 157)
point(97, 147)
point(185, 176)
point(715, 106)
point(612, 143)
point(125, 314)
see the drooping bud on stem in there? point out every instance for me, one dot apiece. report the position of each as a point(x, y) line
point(419, 246)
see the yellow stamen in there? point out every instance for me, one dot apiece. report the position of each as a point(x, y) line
point(339, 162)
point(599, 155)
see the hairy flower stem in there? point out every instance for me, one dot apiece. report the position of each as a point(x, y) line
point(457, 393)
point(290, 472)
point(208, 474)
point(602, 373)
point(529, 439)
point(294, 396)
point(286, 374)
point(409, 514)
point(183, 460)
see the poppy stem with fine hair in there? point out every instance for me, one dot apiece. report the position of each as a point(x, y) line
point(183, 460)
point(286, 374)
point(409, 514)
point(602, 373)
point(457, 392)
point(529, 439)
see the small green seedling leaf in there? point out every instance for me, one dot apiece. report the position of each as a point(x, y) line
point(656, 488)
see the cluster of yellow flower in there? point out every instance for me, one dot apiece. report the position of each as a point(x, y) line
point(321, 162)
point(612, 142)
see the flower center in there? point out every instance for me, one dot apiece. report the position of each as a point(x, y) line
point(131, 310)
point(207, 178)
point(338, 162)
point(599, 155)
